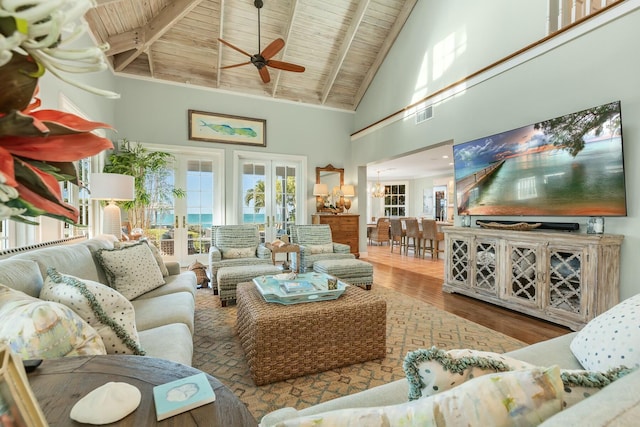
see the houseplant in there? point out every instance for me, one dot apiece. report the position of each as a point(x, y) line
point(38, 147)
point(150, 170)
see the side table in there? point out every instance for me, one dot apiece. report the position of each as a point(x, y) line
point(59, 383)
point(287, 248)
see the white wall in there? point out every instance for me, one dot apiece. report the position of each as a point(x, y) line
point(592, 69)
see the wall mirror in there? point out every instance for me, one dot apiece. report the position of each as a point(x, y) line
point(331, 176)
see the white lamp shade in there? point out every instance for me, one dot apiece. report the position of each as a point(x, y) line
point(348, 191)
point(111, 186)
point(320, 190)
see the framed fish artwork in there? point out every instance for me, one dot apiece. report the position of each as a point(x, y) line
point(214, 127)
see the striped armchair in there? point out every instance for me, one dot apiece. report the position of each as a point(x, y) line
point(235, 245)
point(316, 244)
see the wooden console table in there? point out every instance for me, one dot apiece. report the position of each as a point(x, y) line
point(565, 278)
point(59, 383)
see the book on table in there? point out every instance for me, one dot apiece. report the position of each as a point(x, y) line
point(299, 286)
point(182, 395)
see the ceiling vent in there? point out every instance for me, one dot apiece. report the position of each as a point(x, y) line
point(424, 114)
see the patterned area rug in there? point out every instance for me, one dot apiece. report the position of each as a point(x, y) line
point(411, 324)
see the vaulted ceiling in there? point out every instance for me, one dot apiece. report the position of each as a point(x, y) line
point(340, 43)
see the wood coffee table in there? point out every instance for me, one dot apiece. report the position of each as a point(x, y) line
point(59, 383)
point(287, 341)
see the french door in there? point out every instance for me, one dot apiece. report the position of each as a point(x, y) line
point(181, 226)
point(270, 194)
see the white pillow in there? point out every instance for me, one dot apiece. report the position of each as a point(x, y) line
point(612, 339)
point(131, 270)
point(37, 329)
point(520, 398)
point(235, 253)
point(321, 249)
point(102, 307)
point(154, 250)
point(431, 371)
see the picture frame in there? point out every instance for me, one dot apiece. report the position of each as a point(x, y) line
point(18, 405)
point(227, 129)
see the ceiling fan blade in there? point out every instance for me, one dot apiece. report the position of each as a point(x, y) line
point(273, 48)
point(235, 65)
point(285, 66)
point(234, 47)
point(264, 74)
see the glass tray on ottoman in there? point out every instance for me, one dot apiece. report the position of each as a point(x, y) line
point(272, 288)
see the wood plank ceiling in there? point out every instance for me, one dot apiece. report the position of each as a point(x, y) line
point(341, 43)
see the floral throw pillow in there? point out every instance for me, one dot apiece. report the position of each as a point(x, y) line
point(102, 307)
point(38, 329)
point(131, 270)
point(520, 398)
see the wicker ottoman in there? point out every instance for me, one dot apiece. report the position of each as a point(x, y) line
point(229, 277)
point(288, 341)
point(352, 271)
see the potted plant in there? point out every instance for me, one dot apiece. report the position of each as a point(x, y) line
point(150, 170)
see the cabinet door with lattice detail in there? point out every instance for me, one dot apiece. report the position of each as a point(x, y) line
point(522, 273)
point(485, 272)
point(458, 263)
point(566, 282)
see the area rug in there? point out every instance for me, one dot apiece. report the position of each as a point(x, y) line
point(411, 324)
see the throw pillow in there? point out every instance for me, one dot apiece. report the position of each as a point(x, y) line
point(37, 329)
point(131, 270)
point(154, 250)
point(580, 384)
point(612, 339)
point(431, 371)
point(235, 253)
point(102, 307)
point(321, 249)
point(201, 274)
point(525, 397)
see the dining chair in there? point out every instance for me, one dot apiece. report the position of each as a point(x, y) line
point(380, 233)
point(413, 236)
point(397, 234)
point(431, 234)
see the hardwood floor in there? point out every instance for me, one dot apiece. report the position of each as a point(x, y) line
point(422, 279)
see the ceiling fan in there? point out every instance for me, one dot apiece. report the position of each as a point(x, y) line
point(263, 59)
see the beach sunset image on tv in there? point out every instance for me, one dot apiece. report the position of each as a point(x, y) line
point(568, 166)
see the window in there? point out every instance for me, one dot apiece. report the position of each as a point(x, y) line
point(394, 200)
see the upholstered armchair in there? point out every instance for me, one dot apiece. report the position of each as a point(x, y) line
point(316, 243)
point(236, 245)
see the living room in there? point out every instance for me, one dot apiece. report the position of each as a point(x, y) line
point(582, 68)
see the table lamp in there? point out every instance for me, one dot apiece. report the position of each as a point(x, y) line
point(113, 187)
point(320, 191)
point(348, 191)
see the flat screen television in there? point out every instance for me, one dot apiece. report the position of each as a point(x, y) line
point(568, 166)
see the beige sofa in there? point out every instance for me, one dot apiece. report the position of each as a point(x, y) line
point(617, 404)
point(164, 317)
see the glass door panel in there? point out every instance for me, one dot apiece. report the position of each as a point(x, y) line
point(268, 196)
point(181, 226)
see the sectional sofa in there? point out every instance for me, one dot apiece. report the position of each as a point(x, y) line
point(607, 342)
point(163, 316)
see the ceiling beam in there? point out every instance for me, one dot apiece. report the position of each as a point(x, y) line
point(286, 37)
point(358, 16)
point(384, 50)
point(152, 31)
point(221, 30)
